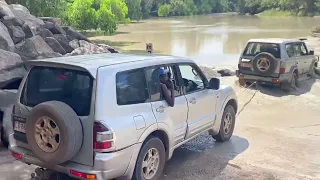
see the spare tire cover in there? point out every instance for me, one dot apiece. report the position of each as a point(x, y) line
point(54, 132)
point(264, 64)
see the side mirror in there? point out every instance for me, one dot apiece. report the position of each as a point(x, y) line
point(214, 83)
point(311, 52)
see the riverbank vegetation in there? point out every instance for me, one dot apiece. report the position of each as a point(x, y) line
point(104, 15)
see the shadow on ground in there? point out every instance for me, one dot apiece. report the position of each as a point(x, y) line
point(203, 158)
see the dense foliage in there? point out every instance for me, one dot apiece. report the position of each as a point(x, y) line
point(106, 14)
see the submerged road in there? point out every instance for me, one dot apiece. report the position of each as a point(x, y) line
point(277, 136)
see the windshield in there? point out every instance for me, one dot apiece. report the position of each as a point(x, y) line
point(57, 84)
point(254, 48)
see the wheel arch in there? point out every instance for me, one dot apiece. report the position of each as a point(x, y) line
point(231, 99)
point(161, 131)
point(233, 103)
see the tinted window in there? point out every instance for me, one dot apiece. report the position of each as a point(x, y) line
point(57, 84)
point(254, 48)
point(132, 87)
point(289, 49)
point(191, 78)
point(300, 49)
point(153, 80)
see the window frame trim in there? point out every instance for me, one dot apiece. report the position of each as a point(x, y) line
point(294, 54)
point(300, 43)
point(198, 69)
point(178, 76)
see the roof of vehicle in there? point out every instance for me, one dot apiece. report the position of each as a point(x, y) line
point(93, 61)
point(275, 40)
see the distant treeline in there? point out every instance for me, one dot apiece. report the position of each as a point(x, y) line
point(104, 15)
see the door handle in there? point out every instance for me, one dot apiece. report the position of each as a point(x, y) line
point(193, 101)
point(160, 109)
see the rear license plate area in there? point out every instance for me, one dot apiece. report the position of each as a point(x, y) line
point(19, 124)
point(245, 65)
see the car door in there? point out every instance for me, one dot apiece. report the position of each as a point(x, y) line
point(302, 57)
point(175, 117)
point(308, 57)
point(201, 100)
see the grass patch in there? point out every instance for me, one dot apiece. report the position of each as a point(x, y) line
point(275, 12)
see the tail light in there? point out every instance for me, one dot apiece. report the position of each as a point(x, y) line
point(16, 155)
point(282, 68)
point(102, 138)
point(83, 175)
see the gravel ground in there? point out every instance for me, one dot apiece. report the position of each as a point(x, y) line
point(277, 137)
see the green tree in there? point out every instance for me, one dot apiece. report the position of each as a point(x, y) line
point(179, 8)
point(134, 9)
point(107, 20)
point(41, 8)
point(164, 10)
point(81, 15)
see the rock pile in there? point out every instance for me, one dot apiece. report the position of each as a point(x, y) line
point(24, 37)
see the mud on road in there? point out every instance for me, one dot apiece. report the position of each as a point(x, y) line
point(277, 136)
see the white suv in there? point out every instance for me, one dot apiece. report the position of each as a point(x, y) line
point(276, 61)
point(103, 116)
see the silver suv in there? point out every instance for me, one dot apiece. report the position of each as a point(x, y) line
point(103, 116)
point(276, 61)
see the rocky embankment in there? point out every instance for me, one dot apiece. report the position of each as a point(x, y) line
point(23, 37)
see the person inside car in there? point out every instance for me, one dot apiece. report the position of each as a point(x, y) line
point(166, 87)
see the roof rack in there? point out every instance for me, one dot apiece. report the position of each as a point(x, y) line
point(303, 39)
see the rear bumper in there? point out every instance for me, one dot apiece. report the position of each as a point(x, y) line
point(269, 80)
point(106, 165)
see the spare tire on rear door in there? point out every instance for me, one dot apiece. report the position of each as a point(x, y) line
point(264, 64)
point(54, 132)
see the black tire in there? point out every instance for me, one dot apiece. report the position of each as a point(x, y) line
point(71, 134)
point(292, 85)
point(313, 70)
point(270, 58)
point(222, 136)
point(151, 142)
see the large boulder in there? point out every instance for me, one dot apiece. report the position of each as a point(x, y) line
point(74, 43)
point(209, 72)
point(88, 48)
point(109, 48)
point(34, 47)
point(6, 42)
point(10, 67)
point(44, 33)
point(9, 60)
point(12, 21)
point(5, 10)
point(52, 20)
point(55, 45)
point(48, 25)
point(64, 41)
point(23, 13)
point(16, 33)
point(10, 76)
point(73, 33)
point(29, 29)
point(226, 72)
point(54, 28)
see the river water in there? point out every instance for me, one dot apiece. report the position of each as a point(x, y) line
point(212, 40)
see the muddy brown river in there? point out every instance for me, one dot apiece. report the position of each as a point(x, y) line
point(211, 39)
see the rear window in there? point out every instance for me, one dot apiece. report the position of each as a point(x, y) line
point(57, 84)
point(254, 48)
